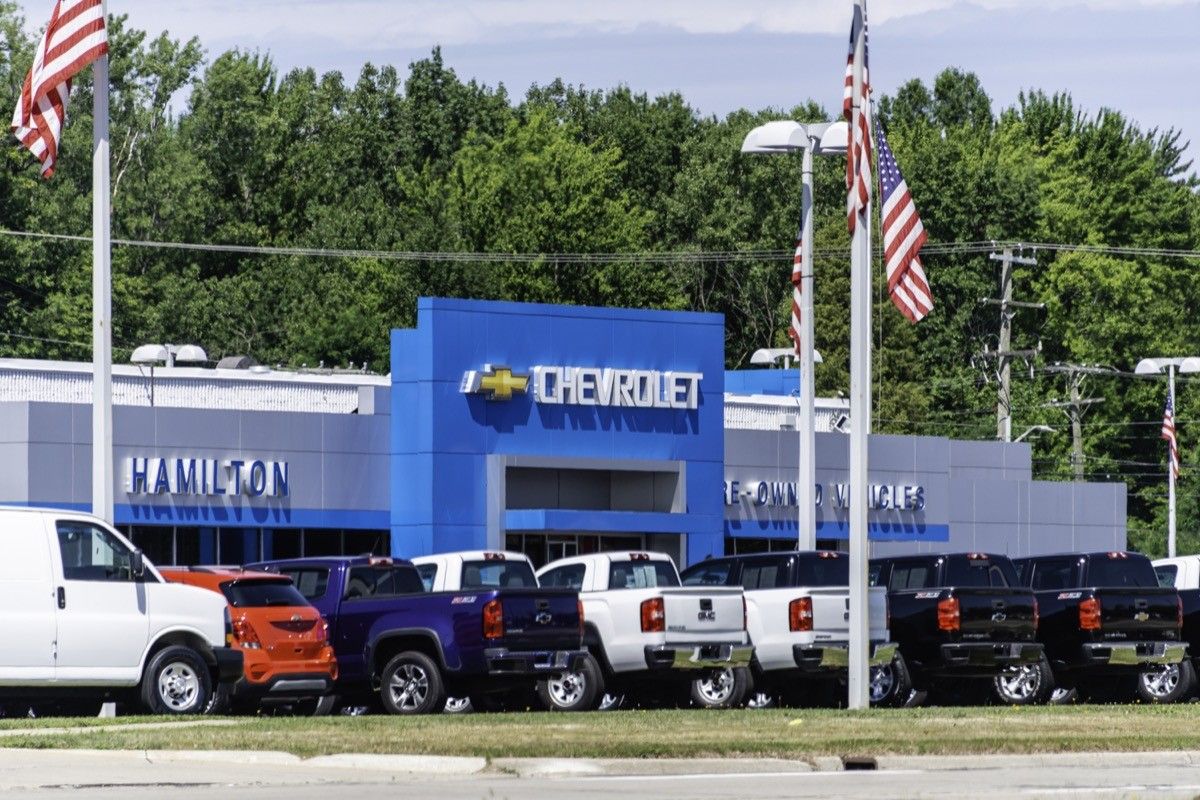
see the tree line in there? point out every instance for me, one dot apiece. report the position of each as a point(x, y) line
point(419, 160)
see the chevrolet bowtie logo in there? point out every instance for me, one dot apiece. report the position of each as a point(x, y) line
point(494, 381)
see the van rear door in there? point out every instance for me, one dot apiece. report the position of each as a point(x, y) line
point(27, 598)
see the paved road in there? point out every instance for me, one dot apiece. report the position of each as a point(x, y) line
point(40, 774)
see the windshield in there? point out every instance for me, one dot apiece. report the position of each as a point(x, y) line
point(641, 574)
point(262, 593)
point(498, 575)
point(1121, 571)
point(823, 569)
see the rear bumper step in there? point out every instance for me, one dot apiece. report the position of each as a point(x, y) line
point(698, 656)
point(987, 656)
point(836, 655)
point(1102, 654)
point(502, 661)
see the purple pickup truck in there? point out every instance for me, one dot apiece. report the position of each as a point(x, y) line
point(412, 649)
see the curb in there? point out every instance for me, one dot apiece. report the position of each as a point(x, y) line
point(425, 765)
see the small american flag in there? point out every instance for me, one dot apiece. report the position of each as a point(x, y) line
point(858, 153)
point(1168, 433)
point(797, 289)
point(75, 38)
point(903, 237)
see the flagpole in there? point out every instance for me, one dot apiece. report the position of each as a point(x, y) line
point(1171, 454)
point(860, 407)
point(806, 506)
point(102, 444)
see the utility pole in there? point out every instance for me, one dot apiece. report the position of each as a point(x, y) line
point(1004, 355)
point(1077, 405)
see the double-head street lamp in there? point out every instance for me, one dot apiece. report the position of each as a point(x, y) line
point(1153, 366)
point(819, 138)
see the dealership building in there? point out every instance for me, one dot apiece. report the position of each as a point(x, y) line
point(549, 430)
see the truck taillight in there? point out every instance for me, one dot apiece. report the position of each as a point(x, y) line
point(1089, 614)
point(800, 614)
point(949, 614)
point(654, 616)
point(579, 605)
point(493, 619)
point(1037, 615)
point(244, 632)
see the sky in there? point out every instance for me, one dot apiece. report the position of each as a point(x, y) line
point(1138, 56)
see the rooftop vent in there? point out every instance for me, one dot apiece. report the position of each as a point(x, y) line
point(236, 362)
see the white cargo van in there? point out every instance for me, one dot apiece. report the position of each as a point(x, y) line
point(86, 619)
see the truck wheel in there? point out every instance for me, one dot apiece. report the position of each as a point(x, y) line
point(458, 705)
point(891, 685)
point(722, 688)
point(1166, 684)
point(412, 684)
point(1025, 685)
point(176, 682)
point(221, 700)
point(573, 691)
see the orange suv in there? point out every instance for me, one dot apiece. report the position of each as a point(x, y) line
point(284, 640)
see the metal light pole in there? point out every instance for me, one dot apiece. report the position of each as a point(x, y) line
point(821, 138)
point(102, 433)
point(1151, 366)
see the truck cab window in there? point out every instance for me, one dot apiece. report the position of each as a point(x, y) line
point(370, 582)
point(641, 574)
point(912, 575)
point(93, 554)
point(708, 573)
point(497, 575)
point(310, 582)
point(428, 573)
point(1166, 574)
point(1056, 574)
point(568, 577)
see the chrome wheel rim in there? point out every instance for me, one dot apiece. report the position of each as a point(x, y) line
point(409, 687)
point(179, 686)
point(458, 705)
point(1160, 683)
point(760, 700)
point(1019, 683)
point(1059, 695)
point(611, 701)
point(566, 688)
point(717, 688)
point(883, 680)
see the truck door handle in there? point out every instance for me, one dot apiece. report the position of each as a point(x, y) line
point(62, 597)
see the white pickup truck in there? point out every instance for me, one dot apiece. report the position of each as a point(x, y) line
point(798, 616)
point(87, 619)
point(642, 629)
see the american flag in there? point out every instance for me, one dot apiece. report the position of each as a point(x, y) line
point(797, 289)
point(1168, 433)
point(903, 237)
point(858, 153)
point(75, 38)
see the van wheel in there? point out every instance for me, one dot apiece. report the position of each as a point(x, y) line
point(221, 701)
point(722, 688)
point(573, 691)
point(891, 685)
point(1166, 684)
point(176, 682)
point(412, 684)
point(1026, 685)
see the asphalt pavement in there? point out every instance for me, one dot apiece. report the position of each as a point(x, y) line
point(271, 776)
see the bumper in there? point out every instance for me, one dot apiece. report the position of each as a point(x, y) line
point(836, 655)
point(299, 684)
point(1131, 654)
point(698, 656)
point(229, 664)
point(501, 661)
point(989, 656)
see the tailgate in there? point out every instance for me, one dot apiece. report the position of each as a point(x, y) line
point(1137, 614)
point(540, 619)
point(996, 613)
point(704, 614)
point(290, 633)
point(831, 613)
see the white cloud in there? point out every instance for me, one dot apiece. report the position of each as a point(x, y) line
point(375, 25)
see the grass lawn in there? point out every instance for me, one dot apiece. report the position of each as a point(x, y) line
point(794, 734)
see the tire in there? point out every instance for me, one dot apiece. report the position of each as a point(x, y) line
point(458, 705)
point(573, 691)
point(321, 706)
point(412, 684)
point(760, 699)
point(221, 700)
point(1167, 684)
point(1026, 685)
point(1063, 696)
point(722, 688)
point(612, 702)
point(891, 684)
point(176, 681)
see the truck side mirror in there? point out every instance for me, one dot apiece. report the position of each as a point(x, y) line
point(137, 565)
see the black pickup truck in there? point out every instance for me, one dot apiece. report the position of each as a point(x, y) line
point(959, 615)
point(1108, 628)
